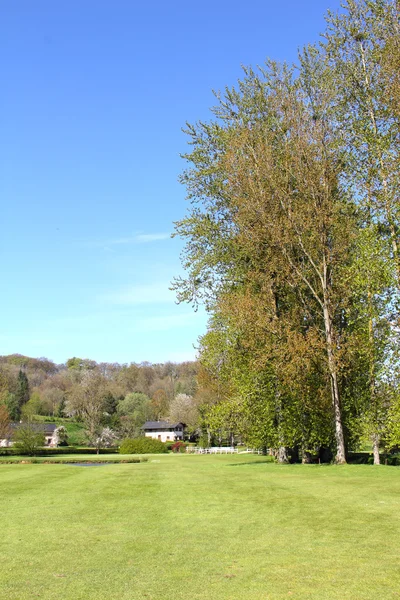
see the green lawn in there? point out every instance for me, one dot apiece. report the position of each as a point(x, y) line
point(199, 527)
point(76, 431)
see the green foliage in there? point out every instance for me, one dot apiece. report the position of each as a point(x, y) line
point(393, 427)
point(134, 410)
point(80, 364)
point(75, 430)
point(22, 392)
point(143, 445)
point(110, 404)
point(132, 404)
point(61, 408)
point(292, 242)
point(28, 438)
point(203, 441)
point(33, 407)
point(13, 407)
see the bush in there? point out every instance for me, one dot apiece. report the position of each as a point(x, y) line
point(46, 451)
point(171, 443)
point(203, 442)
point(143, 445)
point(74, 450)
point(178, 447)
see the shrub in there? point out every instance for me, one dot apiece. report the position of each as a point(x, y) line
point(178, 447)
point(171, 443)
point(106, 439)
point(60, 436)
point(143, 445)
point(28, 439)
point(46, 451)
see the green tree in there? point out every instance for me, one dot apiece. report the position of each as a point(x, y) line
point(28, 438)
point(134, 410)
point(22, 392)
point(61, 408)
point(12, 405)
point(356, 44)
point(80, 364)
point(33, 407)
point(267, 200)
point(5, 428)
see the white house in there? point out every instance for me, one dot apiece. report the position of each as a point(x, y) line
point(164, 431)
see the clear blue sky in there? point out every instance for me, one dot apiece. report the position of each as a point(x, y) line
point(93, 97)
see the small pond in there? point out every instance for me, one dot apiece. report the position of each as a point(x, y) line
point(87, 464)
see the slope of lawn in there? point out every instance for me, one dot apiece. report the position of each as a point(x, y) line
point(75, 430)
point(199, 527)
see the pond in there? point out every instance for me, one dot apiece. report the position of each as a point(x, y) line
point(87, 464)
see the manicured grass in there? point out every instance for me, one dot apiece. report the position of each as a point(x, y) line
point(201, 528)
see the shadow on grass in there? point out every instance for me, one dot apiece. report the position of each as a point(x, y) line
point(272, 462)
point(252, 463)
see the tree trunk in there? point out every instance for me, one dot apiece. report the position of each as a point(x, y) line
point(306, 458)
point(375, 442)
point(340, 457)
point(283, 457)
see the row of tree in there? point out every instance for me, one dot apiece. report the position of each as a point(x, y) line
point(100, 395)
point(293, 243)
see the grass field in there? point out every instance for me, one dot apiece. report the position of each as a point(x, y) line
point(199, 527)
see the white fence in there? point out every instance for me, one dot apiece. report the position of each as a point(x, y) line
point(220, 450)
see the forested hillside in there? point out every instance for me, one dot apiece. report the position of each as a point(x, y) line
point(122, 397)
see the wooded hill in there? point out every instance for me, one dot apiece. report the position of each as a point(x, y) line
point(99, 394)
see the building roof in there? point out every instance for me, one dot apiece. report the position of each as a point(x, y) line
point(47, 428)
point(161, 425)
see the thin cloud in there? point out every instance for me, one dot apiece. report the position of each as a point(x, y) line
point(151, 237)
point(139, 238)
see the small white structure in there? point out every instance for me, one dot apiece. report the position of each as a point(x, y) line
point(164, 431)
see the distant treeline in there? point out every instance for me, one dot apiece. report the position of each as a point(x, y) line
point(122, 396)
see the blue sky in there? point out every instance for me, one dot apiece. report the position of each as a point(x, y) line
point(94, 96)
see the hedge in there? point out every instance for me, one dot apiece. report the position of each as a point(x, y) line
point(60, 450)
point(143, 445)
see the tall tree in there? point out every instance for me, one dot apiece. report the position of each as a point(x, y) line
point(356, 50)
point(277, 207)
point(88, 401)
point(22, 391)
